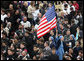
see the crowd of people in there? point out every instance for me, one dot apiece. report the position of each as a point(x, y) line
point(19, 24)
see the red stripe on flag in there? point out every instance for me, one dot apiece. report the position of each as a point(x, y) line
point(46, 25)
point(43, 23)
point(43, 31)
point(43, 18)
point(43, 34)
point(46, 32)
point(47, 28)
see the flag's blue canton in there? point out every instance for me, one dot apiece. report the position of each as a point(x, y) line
point(50, 14)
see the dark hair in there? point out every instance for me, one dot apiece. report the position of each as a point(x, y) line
point(35, 46)
point(32, 2)
point(53, 48)
point(71, 48)
point(23, 43)
point(66, 19)
point(4, 33)
point(4, 42)
point(37, 7)
point(50, 3)
point(27, 32)
point(47, 42)
point(3, 10)
point(72, 21)
point(71, 8)
point(65, 5)
point(17, 37)
point(81, 51)
point(41, 39)
point(11, 50)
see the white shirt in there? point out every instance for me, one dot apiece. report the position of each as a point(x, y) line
point(26, 24)
point(73, 8)
point(35, 14)
point(67, 11)
point(3, 16)
point(36, 26)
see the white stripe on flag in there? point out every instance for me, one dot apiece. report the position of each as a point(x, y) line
point(43, 32)
point(46, 27)
point(46, 23)
point(43, 29)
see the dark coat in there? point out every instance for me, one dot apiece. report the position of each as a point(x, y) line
point(53, 57)
point(73, 29)
point(76, 50)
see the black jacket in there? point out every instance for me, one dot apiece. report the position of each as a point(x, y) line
point(73, 29)
point(53, 57)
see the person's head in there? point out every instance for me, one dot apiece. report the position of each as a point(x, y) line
point(25, 4)
point(37, 41)
point(35, 48)
point(11, 6)
point(61, 26)
point(15, 2)
point(4, 34)
point(4, 43)
point(50, 4)
point(68, 32)
point(64, 2)
point(66, 6)
point(44, 2)
point(66, 20)
point(25, 18)
point(2, 11)
point(77, 43)
point(53, 50)
point(71, 9)
point(46, 44)
point(50, 39)
point(24, 52)
point(20, 26)
point(12, 47)
point(22, 13)
point(17, 12)
point(41, 40)
point(80, 53)
point(61, 38)
point(22, 45)
point(70, 50)
point(52, 32)
point(40, 2)
point(74, 2)
point(69, 2)
point(27, 33)
point(16, 39)
point(36, 7)
point(72, 37)
point(39, 15)
point(32, 3)
point(10, 52)
point(8, 14)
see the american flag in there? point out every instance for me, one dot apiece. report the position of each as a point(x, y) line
point(48, 22)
